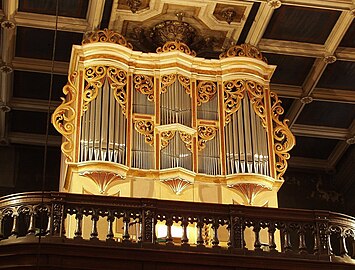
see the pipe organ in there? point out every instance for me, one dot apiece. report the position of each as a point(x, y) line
point(171, 124)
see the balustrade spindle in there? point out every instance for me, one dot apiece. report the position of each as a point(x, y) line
point(31, 227)
point(302, 249)
point(126, 236)
point(199, 239)
point(271, 232)
point(215, 240)
point(343, 250)
point(94, 233)
point(256, 230)
point(14, 230)
point(169, 237)
point(184, 239)
point(109, 236)
point(48, 229)
point(315, 243)
point(78, 230)
point(287, 240)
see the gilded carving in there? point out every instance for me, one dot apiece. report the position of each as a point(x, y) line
point(146, 128)
point(256, 96)
point(187, 139)
point(246, 50)
point(249, 191)
point(95, 78)
point(144, 84)
point(177, 184)
point(233, 94)
point(165, 137)
point(206, 90)
point(283, 138)
point(176, 46)
point(185, 82)
point(166, 81)
point(63, 117)
point(106, 36)
point(102, 179)
point(205, 133)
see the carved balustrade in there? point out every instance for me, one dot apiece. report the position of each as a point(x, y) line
point(314, 235)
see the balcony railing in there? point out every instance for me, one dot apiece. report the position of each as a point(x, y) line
point(230, 229)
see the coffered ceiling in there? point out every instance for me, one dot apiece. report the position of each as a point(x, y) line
point(312, 42)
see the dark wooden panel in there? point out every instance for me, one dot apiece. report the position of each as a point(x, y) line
point(339, 75)
point(34, 43)
point(66, 8)
point(331, 114)
point(106, 14)
point(301, 24)
point(65, 41)
point(349, 38)
point(310, 147)
point(30, 122)
point(290, 69)
point(248, 23)
point(36, 85)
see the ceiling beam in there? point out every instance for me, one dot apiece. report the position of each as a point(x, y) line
point(26, 104)
point(320, 132)
point(34, 139)
point(95, 12)
point(40, 65)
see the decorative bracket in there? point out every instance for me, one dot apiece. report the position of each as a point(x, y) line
point(177, 184)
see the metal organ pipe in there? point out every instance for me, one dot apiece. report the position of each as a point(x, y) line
point(246, 142)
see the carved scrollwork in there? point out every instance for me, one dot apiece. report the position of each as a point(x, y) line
point(205, 133)
point(118, 81)
point(233, 94)
point(185, 82)
point(63, 117)
point(246, 50)
point(166, 136)
point(106, 36)
point(187, 139)
point(256, 96)
point(95, 78)
point(206, 90)
point(146, 128)
point(166, 81)
point(283, 138)
point(176, 46)
point(144, 84)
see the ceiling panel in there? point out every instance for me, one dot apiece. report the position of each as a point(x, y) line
point(301, 24)
point(290, 69)
point(320, 113)
point(349, 38)
point(310, 147)
point(66, 8)
point(339, 75)
point(24, 86)
point(30, 122)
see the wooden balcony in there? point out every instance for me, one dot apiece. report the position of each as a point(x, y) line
point(55, 230)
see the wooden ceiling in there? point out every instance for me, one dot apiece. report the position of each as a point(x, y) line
point(312, 42)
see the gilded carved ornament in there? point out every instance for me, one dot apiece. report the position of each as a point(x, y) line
point(146, 128)
point(283, 138)
point(187, 139)
point(95, 78)
point(102, 178)
point(106, 35)
point(168, 80)
point(245, 50)
point(256, 93)
point(205, 133)
point(206, 90)
point(249, 191)
point(176, 45)
point(144, 84)
point(233, 94)
point(63, 117)
point(165, 138)
point(177, 184)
